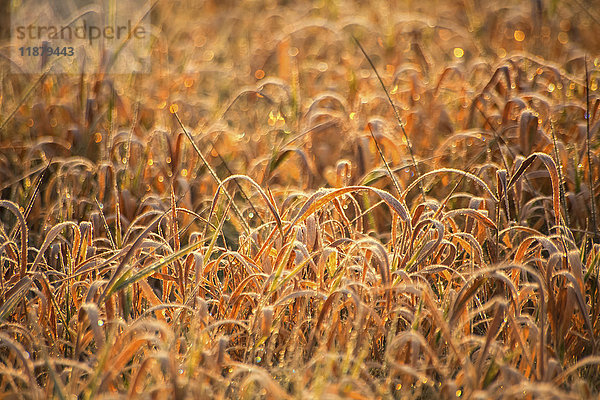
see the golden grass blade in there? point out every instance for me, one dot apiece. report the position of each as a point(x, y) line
point(12, 207)
point(52, 234)
point(272, 207)
point(126, 258)
point(474, 178)
point(14, 296)
point(323, 197)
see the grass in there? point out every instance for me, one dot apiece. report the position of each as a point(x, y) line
point(254, 219)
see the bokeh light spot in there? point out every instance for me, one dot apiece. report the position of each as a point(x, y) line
point(563, 37)
point(519, 36)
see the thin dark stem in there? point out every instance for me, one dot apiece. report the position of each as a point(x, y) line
point(561, 186)
point(213, 174)
point(589, 153)
point(398, 119)
point(387, 166)
point(238, 184)
point(106, 227)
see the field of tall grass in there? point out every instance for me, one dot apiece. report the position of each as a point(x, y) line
point(323, 199)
